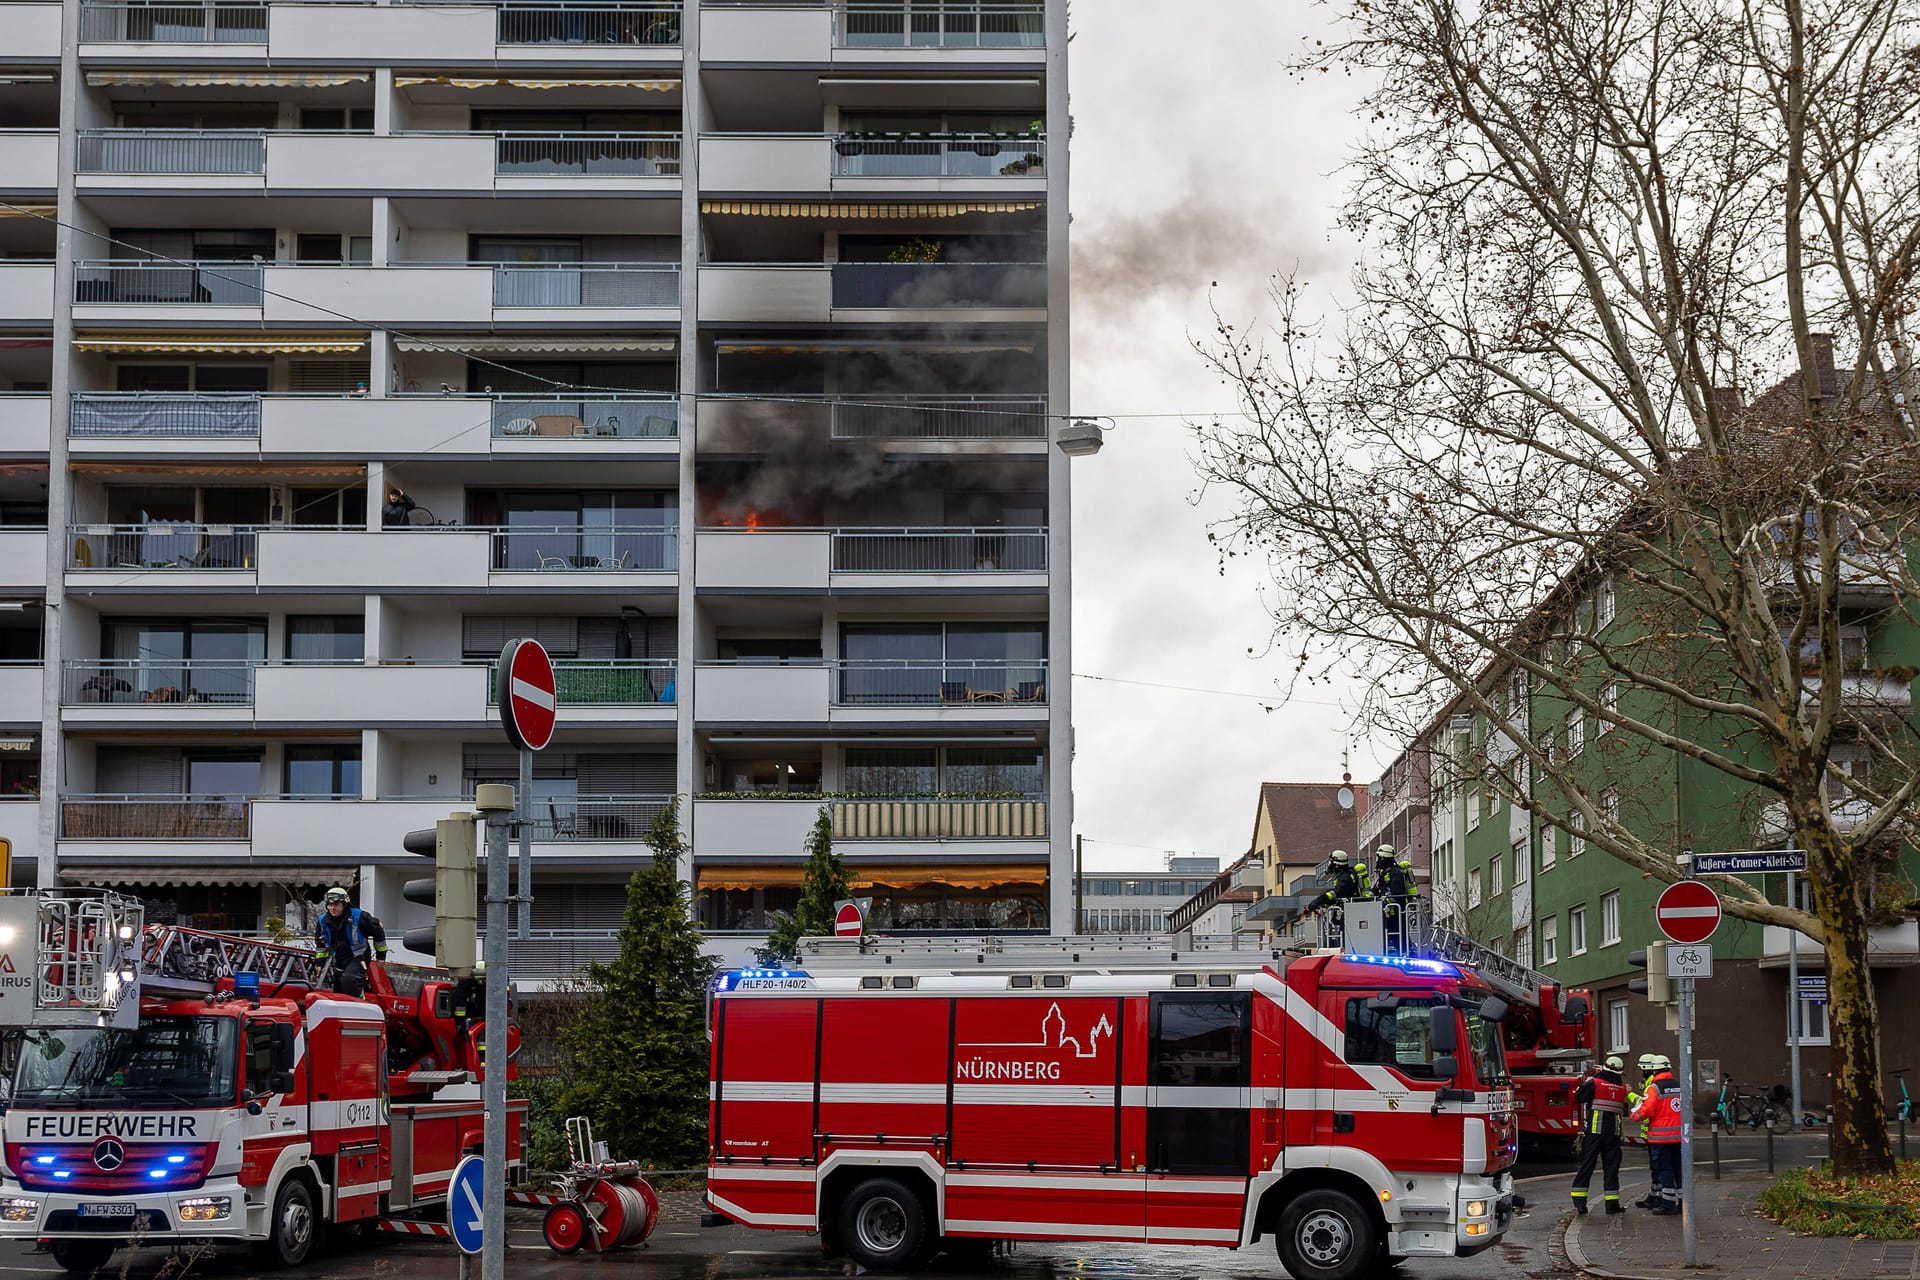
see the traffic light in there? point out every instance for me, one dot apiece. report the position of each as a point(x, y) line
point(1657, 987)
point(452, 845)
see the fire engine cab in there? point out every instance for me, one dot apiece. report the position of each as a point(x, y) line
point(900, 1096)
point(175, 1086)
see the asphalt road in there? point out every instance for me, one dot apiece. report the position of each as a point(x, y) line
point(683, 1250)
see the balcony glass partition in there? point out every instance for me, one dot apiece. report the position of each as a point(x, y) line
point(934, 665)
point(589, 24)
point(939, 24)
point(173, 151)
point(175, 23)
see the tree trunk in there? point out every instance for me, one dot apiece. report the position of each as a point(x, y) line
point(1860, 1143)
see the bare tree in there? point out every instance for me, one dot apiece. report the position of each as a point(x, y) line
point(1592, 232)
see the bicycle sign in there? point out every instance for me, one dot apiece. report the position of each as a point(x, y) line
point(1690, 962)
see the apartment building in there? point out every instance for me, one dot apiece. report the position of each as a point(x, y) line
point(1295, 826)
point(1142, 902)
point(714, 345)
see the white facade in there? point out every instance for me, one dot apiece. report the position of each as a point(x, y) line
point(714, 345)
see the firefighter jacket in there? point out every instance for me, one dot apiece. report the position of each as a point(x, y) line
point(1660, 1108)
point(1348, 885)
point(1604, 1096)
point(1393, 879)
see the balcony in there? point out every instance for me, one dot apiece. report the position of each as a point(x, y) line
point(26, 292)
point(954, 31)
point(948, 685)
point(937, 286)
point(201, 690)
point(165, 548)
point(23, 559)
point(556, 955)
point(750, 293)
point(456, 426)
point(585, 684)
point(590, 25)
point(26, 423)
point(1876, 691)
point(197, 22)
point(574, 549)
point(814, 559)
point(20, 692)
point(312, 161)
point(33, 33)
point(967, 156)
point(774, 829)
point(1870, 577)
point(1887, 947)
point(30, 158)
point(113, 818)
point(757, 693)
point(609, 286)
point(165, 415)
point(940, 818)
point(548, 421)
point(895, 419)
point(208, 291)
point(434, 558)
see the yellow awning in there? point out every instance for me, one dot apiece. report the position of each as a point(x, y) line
point(247, 79)
point(534, 346)
point(229, 470)
point(750, 877)
point(226, 343)
point(110, 877)
point(864, 208)
point(29, 211)
point(539, 82)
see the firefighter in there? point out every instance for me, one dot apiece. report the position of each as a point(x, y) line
point(1349, 881)
point(1604, 1095)
point(350, 938)
point(1392, 877)
point(1660, 1108)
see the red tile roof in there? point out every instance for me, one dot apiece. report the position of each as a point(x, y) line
point(1308, 822)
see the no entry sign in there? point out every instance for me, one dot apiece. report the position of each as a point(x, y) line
point(1687, 912)
point(527, 694)
point(847, 918)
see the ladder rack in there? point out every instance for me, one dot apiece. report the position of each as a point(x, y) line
point(83, 949)
point(181, 961)
point(1509, 977)
point(1113, 951)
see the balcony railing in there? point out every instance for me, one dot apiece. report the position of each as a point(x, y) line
point(181, 415)
point(173, 151)
point(942, 818)
point(551, 954)
point(871, 417)
point(939, 284)
point(911, 682)
point(612, 682)
point(589, 23)
point(585, 549)
point(989, 549)
point(610, 155)
point(161, 545)
point(959, 155)
point(154, 817)
point(581, 818)
point(175, 23)
point(635, 418)
point(172, 284)
point(587, 284)
point(86, 682)
point(938, 24)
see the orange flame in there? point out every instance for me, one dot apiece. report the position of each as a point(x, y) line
point(753, 521)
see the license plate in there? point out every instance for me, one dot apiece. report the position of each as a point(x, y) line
point(107, 1209)
point(1519, 1102)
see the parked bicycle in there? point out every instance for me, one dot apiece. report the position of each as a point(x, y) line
point(1750, 1109)
point(1905, 1111)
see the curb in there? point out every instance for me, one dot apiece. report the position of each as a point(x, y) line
point(1570, 1242)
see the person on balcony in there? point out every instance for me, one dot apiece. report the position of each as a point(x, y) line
point(350, 938)
point(399, 507)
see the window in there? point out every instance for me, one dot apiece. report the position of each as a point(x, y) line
point(1473, 887)
point(1603, 604)
point(1400, 1037)
point(1610, 918)
point(323, 773)
point(1813, 1019)
point(1496, 875)
point(1473, 810)
point(1577, 837)
point(326, 639)
point(1610, 806)
point(1443, 863)
point(1493, 800)
point(1609, 706)
point(1550, 940)
point(1577, 931)
point(1576, 732)
point(1523, 945)
point(1549, 849)
point(1522, 859)
point(1617, 1033)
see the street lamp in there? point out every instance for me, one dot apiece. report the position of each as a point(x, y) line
point(1080, 438)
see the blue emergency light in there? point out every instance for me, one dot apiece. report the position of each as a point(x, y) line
point(1410, 964)
point(246, 986)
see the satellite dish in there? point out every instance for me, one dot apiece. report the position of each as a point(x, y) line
point(1345, 796)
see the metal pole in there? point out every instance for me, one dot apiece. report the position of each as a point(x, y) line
point(493, 1256)
point(1716, 1150)
point(1686, 1117)
point(1079, 871)
point(1770, 1145)
point(526, 844)
point(1793, 998)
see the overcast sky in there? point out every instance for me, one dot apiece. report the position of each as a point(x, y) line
point(1196, 159)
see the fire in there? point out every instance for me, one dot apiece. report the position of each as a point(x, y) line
point(753, 522)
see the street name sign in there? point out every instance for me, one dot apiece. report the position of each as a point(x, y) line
point(1749, 862)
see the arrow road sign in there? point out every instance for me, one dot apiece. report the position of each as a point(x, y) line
point(1690, 962)
point(527, 694)
point(1687, 912)
point(1749, 862)
point(464, 1198)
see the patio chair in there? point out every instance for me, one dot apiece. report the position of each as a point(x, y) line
point(616, 562)
point(986, 695)
point(953, 691)
point(520, 427)
point(554, 564)
point(1030, 691)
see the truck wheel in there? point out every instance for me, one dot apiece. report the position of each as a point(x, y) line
point(291, 1228)
point(883, 1226)
point(82, 1257)
point(1327, 1235)
point(565, 1228)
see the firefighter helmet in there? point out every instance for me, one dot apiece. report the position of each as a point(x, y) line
point(1338, 857)
point(1661, 1062)
point(1384, 853)
point(1613, 1063)
point(336, 894)
point(1646, 1061)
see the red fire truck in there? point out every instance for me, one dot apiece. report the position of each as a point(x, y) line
point(900, 1096)
point(247, 1103)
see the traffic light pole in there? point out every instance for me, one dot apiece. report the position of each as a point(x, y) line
point(525, 907)
point(1685, 1078)
point(499, 818)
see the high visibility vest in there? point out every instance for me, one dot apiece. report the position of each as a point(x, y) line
point(1661, 1110)
point(356, 941)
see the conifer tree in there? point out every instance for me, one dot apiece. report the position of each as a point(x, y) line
point(825, 884)
point(638, 1050)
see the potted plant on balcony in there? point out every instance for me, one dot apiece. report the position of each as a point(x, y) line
point(918, 249)
point(1032, 160)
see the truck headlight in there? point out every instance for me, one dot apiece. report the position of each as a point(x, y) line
point(1476, 1208)
point(1476, 1228)
point(19, 1210)
point(205, 1208)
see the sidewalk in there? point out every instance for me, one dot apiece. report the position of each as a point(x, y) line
point(1731, 1240)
